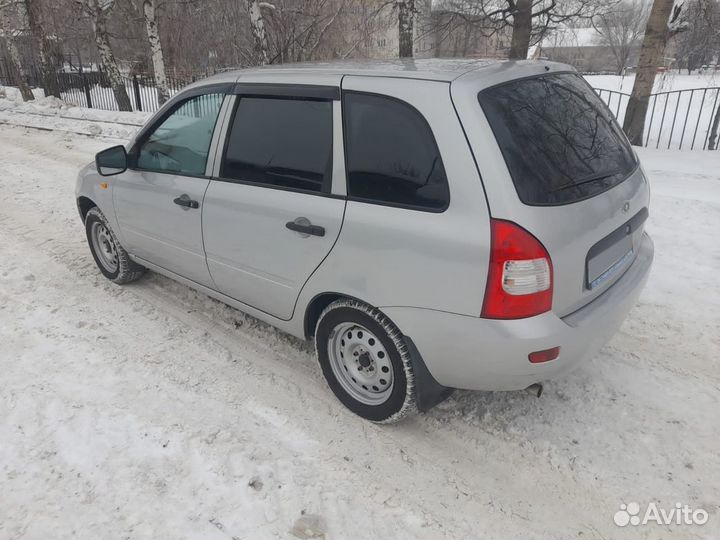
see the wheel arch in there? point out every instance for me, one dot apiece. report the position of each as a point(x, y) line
point(316, 306)
point(84, 205)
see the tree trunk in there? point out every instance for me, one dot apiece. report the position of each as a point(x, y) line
point(156, 51)
point(406, 31)
point(624, 56)
point(522, 29)
point(107, 58)
point(257, 25)
point(651, 56)
point(712, 145)
point(17, 74)
point(39, 34)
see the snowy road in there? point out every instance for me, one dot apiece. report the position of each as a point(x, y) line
point(152, 411)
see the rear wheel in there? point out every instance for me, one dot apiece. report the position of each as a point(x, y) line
point(110, 257)
point(365, 361)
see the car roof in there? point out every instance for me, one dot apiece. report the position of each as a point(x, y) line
point(433, 69)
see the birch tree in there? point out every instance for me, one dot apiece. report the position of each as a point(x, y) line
point(149, 11)
point(257, 25)
point(406, 27)
point(664, 22)
point(97, 11)
point(11, 29)
point(33, 12)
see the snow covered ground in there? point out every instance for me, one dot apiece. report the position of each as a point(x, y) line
point(152, 411)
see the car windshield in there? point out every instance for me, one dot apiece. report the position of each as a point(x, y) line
point(559, 140)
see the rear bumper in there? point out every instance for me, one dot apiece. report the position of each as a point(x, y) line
point(484, 354)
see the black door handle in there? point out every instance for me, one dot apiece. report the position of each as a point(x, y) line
point(187, 202)
point(303, 226)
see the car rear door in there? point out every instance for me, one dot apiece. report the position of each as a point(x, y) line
point(275, 205)
point(158, 200)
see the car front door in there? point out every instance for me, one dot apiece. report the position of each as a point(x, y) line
point(158, 200)
point(275, 209)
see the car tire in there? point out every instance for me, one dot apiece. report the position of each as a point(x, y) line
point(365, 361)
point(110, 257)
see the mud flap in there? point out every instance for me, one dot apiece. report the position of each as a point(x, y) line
point(429, 391)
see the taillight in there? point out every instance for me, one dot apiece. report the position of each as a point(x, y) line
point(520, 280)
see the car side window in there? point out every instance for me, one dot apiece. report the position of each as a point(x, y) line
point(392, 156)
point(281, 142)
point(180, 144)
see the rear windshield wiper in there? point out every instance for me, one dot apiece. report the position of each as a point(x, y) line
point(587, 180)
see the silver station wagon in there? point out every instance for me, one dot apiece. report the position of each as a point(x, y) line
point(430, 224)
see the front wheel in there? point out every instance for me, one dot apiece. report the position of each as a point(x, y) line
point(110, 257)
point(365, 361)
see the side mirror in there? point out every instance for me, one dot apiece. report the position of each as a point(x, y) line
point(111, 161)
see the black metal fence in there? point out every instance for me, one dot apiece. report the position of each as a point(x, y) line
point(92, 89)
point(676, 119)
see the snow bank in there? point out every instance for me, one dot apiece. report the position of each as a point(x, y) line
point(51, 113)
point(11, 93)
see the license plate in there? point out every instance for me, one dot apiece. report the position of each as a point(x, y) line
point(609, 262)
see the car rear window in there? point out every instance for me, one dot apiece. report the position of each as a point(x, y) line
point(559, 140)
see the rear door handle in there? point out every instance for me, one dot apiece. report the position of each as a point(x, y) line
point(186, 201)
point(303, 226)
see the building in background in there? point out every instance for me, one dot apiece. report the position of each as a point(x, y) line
point(583, 48)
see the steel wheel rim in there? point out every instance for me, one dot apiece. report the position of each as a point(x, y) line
point(104, 246)
point(360, 363)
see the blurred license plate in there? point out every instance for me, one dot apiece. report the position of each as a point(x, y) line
point(607, 263)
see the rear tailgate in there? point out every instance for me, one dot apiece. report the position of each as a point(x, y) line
point(554, 161)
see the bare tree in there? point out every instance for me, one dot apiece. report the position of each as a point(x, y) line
point(697, 45)
point(149, 11)
point(300, 30)
point(530, 20)
point(97, 11)
point(257, 24)
point(522, 24)
point(9, 22)
point(406, 27)
point(33, 10)
point(621, 30)
point(664, 22)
